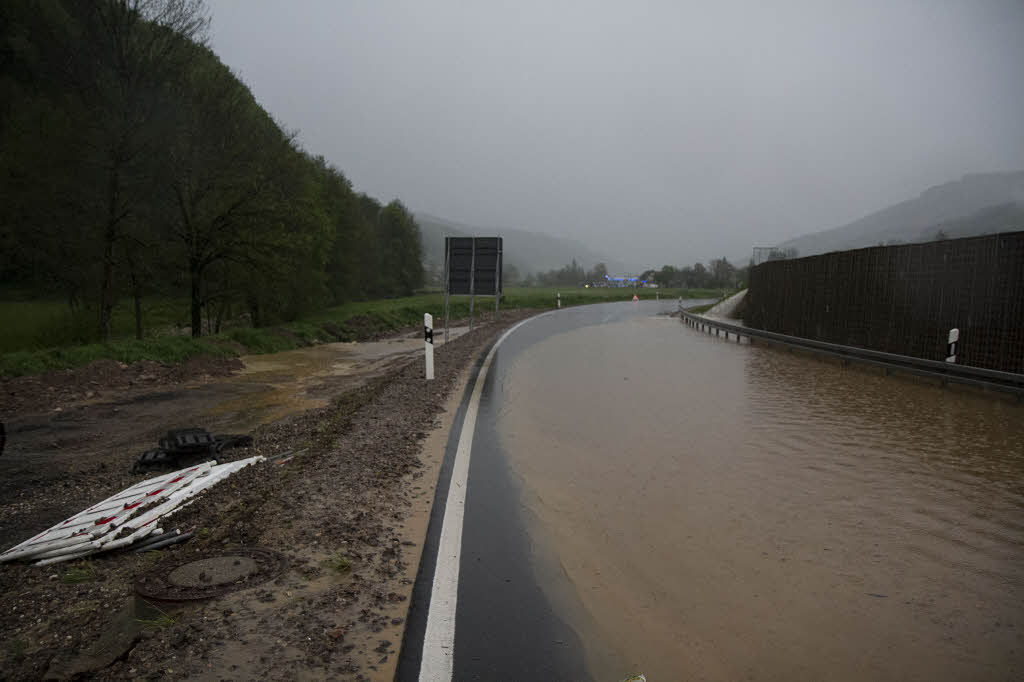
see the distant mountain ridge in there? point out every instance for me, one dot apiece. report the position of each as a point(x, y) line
point(981, 203)
point(527, 251)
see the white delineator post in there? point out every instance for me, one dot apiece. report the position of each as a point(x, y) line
point(954, 336)
point(558, 300)
point(428, 343)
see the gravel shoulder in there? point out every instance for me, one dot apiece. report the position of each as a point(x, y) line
point(349, 511)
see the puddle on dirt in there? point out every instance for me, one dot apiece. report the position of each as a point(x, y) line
point(281, 384)
point(728, 511)
point(84, 443)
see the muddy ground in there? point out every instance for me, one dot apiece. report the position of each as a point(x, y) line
point(348, 511)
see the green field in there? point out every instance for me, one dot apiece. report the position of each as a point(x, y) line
point(38, 324)
point(43, 335)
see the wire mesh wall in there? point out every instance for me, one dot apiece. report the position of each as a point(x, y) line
point(903, 299)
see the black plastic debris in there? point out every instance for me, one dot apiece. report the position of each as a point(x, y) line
point(185, 447)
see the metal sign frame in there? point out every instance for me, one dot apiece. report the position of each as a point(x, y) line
point(488, 247)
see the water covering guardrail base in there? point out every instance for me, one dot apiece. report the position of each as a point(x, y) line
point(978, 377)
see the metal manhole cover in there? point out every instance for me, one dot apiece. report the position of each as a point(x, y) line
point(211, 576)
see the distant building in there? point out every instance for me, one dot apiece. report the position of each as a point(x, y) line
point(623, 282)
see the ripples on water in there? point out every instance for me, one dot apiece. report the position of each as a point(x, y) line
point(942, 470)
point(729, 511)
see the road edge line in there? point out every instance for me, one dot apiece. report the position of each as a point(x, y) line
point(438, 657)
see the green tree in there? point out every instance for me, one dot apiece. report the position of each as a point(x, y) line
point(126, 51)
point(133, 161)
point(226, 161)
point(668, 276)
point(400, 245)
point(510, 276)
point(723, 273)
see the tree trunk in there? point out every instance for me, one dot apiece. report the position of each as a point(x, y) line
point(137, 295)
point(106, 293)
point(221, 310)
point(109, 237)
point(254, 311)
point(197, 303)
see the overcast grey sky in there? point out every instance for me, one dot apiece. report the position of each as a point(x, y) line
point(658, 132)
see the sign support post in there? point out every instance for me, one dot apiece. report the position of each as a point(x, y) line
point(472, 283)
point(447, 266)
point(497, 282)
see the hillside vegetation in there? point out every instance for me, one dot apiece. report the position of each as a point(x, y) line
point(353, 321)
point(135, 167)
point(147, 194)
point(525, 252)
point(974, 205)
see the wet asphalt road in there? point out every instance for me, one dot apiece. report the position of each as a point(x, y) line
point(507, 626)
point(642, 497)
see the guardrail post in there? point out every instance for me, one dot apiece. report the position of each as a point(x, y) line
point(428, 343)
point(954, 336)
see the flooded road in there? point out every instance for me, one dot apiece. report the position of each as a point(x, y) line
point(700, 509)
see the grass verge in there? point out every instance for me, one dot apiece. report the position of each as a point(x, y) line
point(701, 309)
point(82, 572)
point(354, 321)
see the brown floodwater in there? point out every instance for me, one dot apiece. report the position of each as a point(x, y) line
point(726, 511)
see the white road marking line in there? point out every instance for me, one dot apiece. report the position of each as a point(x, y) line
point(437, 661)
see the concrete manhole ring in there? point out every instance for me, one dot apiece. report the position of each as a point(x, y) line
point(213, 575)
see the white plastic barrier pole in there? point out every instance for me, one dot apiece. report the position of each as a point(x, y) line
point(428, 343)
point(558, 300)
point(954, 337)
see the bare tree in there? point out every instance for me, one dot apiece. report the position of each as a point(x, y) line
point(227, 162)
point(130, 50)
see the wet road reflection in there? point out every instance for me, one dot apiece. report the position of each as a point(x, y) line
point(728, 511)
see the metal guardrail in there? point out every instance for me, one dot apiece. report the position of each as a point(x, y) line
point(979, 377)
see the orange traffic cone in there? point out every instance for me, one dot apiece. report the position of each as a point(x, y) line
point(635, 297)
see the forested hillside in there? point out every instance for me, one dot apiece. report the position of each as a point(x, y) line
point(976, 204)
point(525, 252)
point(134, 164)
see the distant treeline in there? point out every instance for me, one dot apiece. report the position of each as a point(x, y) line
point(133, 164)
point(572, 275)
point(718, 274)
